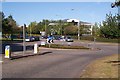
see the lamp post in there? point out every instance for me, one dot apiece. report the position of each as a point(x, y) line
point(24, 47)
point(78, 30)
point(78, 26)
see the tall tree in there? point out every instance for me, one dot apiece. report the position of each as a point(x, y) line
point(32, 28)
point(71, 30)
point(9, 25)
point(116, 3)
point(110, 28)
point(95, 30)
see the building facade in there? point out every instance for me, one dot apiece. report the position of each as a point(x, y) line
point(87, 27)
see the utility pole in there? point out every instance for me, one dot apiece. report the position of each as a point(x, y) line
point(24, 47)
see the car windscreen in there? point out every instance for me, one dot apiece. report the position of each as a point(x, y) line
point(68, 37)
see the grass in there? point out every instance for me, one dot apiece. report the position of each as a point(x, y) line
point(64, 46)
point(106, 67)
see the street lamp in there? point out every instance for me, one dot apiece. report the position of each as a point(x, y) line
point(78, 26)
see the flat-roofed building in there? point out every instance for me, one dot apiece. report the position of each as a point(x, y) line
point(87, 26)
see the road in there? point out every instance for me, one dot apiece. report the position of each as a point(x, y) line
point(57, 63)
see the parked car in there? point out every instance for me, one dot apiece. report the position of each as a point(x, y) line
point(37, 38)
point(28, 39)
point(68, 39)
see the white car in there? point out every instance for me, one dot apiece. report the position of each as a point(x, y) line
point(28, 39)
point(69, 39)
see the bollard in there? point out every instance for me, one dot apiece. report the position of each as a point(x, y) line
point(7, 51)
point(35, 48)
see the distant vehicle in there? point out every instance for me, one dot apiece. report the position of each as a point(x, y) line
point(68, 39)
point(44, 37)
point(56, 37)
point(31, 38)
point(37, 38)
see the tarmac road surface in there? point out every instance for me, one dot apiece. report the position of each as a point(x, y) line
point(57, 63)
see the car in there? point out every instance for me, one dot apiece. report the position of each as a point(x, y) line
point(37, 38)
point(68, 39)
point(28, 39)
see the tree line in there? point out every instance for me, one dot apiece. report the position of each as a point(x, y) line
point(109, 28)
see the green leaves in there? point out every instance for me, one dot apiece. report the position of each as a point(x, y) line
point(110, 28)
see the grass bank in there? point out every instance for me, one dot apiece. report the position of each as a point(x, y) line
point(106, 67)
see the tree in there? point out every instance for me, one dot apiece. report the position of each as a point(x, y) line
point(110, 28)
point(9, 25)
point(82, 30)
point(95, 30)
point(32, 28)
point(116, 3)
point(71, 30)
point(1, 18)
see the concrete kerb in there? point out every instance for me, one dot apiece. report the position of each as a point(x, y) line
point(17, 55)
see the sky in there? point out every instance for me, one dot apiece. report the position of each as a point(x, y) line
point(26, 12)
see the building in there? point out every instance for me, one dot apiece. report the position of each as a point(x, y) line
point(87, 26)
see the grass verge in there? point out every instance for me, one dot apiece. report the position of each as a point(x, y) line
point(106, 67)
point(64, 46)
